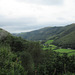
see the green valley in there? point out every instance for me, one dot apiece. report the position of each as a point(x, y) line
point(48, 51)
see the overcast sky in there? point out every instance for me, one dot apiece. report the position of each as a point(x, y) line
point(27, 15)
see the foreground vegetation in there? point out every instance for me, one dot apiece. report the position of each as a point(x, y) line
point(22, 57)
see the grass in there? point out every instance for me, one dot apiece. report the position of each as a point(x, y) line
point(70, 54)
point(69, 51)
point(49, 47)
point(64, 50)
point(49, 42)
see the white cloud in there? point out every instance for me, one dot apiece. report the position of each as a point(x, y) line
point(34, 13)
point(43, 2)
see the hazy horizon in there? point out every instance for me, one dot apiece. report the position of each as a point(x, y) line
point(27, 15)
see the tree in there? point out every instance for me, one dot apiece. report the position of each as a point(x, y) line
point(8, 64)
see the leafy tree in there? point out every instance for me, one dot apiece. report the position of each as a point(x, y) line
point(27, 62)
point(9, 66)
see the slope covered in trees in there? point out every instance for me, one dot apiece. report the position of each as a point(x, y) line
point(66, 39)
point(41, 34)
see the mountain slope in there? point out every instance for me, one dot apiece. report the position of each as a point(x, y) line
point(3, 34)
point(62, 36)
point(41, 34)
point(48, 33)
point(67, 30)
point(67, 38)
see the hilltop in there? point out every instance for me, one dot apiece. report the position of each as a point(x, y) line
point(3, 34)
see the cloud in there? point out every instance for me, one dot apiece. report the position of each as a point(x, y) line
point(27, 15)
point(44, 2)
point(24, 24)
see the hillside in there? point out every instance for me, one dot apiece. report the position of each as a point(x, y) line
point(3, 34)
point(22, 57)
point(41, 34)
point(66, 38)
point(62, 36)
point(47, 33)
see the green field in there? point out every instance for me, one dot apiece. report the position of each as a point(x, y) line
point(61, 51)
point(69, 51)
point(48, 45)
point(49, 42)
point(64, 50)
point(52, 47)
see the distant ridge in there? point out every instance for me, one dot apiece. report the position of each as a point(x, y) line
point(41, 34)
point(47, 32)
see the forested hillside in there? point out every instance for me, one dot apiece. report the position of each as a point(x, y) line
point(41, 34)
point(66, 39)
point(21, 57)
point(62, 36)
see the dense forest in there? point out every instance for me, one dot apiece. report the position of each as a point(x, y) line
point(22, 57)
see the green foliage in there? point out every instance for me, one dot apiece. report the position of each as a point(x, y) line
point(68, 73)
point(3, 34)
point(8, 64)
point(49, 42)
point(27, 62)
point(62, 36)
point(67, 38)
point(26, 54)
point(47, 64)
point(22, 57)
point(41, 34)
point(48, 47)
point(70, 52)
point(64, 50)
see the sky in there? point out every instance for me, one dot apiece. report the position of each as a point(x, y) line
point(26, 15)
